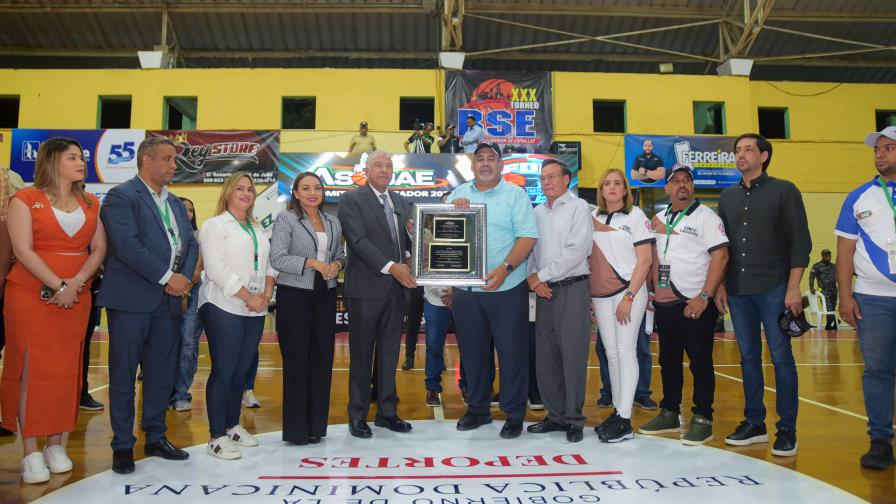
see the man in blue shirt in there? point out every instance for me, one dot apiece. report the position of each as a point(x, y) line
point(498, 311)
point(866, 248)
point(473, 136)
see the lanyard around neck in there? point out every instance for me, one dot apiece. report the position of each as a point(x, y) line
point(888, 194)
point(250, 230)
point(166, 216)
point(670, 228)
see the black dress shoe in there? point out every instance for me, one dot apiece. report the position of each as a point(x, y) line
point(359, 429)
point(472, 421)
point(88, 403)
point(314, 439)
point(163, 448)
point(513, 427)
point(408, 363)
point(123, 461)
point(546, 425)
point(573, 433)
point(393, 423)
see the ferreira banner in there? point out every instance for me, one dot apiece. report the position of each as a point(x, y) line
point(514, 108)
point(421, 178)
point(648, 158)
point(209, 157)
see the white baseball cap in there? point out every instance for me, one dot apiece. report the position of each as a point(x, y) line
point(889, 132)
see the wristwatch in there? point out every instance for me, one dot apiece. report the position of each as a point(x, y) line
point(704, 296)
point(508, 266)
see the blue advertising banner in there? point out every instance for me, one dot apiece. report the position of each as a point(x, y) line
point(648, 157)
point(110, 155)
point(421, 178)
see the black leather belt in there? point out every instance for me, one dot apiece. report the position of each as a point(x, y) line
point(567, 281)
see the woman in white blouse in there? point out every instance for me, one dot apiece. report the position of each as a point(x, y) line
point(233, 302)
point(307, 250)
point(620, 260)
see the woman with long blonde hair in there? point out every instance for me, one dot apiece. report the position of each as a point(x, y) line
point(620, 260)
point(233, 302)
point(59, 244)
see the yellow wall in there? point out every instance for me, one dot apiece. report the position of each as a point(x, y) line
point(825, 156)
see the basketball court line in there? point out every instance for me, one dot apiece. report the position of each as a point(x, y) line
point(803, 399)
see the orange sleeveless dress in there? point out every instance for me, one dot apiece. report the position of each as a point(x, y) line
point(48, 337)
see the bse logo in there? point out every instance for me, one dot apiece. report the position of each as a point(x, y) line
point(121, 153)
point(29, 150)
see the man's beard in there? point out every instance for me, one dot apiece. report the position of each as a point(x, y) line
point(888, 171)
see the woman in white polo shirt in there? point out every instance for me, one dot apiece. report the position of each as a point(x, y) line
point(620, 261)
point(233, 302)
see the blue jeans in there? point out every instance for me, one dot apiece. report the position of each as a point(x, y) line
point(877, 339)
point(437, 319)
point(253, 369)
point(190, 331)
point(747, 312)
point(232, 341)
point(645, 364)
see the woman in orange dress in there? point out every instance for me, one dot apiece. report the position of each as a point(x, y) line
point(59, 243)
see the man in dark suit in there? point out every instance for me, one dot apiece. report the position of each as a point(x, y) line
point(374, 224)
point(150, 243)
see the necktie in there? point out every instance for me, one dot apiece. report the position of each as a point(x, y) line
point(390, 223)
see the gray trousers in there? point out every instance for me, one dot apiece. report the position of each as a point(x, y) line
point(562, 334)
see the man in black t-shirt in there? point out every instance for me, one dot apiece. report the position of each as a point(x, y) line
point(648, 167)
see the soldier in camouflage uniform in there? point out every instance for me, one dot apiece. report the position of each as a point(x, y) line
point(825, 273)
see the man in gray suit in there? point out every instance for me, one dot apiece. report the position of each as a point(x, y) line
point(374, 225)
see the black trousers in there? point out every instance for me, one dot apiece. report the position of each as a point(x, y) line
point(502, 317)
point(92, 322)
point(306, 327)
point(679, 334)
point(374, 322)
point(414, 315)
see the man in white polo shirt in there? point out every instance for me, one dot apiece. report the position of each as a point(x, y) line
point(866, 247)
point(693, 252)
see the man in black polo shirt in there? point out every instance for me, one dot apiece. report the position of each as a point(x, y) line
point(648, 167)
point(765, 221)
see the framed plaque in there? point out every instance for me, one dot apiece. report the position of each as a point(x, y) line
point(449, 245)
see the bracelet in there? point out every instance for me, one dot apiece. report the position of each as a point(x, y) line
point(81, 283)
point(628, 296)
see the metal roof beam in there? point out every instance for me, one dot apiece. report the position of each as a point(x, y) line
point(424, 55)
point(672, 12)
point(220, 6)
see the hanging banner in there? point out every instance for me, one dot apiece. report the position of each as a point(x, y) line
point(110, 155)
point(514, 108)
point(421, 178)
point(209, 157)
point(649, 158)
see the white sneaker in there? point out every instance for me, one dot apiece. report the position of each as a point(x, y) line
point(249, 399)
point(57, 460)
point(223, 448)
point(34, 469)
point(241, 436)
point(182, 405)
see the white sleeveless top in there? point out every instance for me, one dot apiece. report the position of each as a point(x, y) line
point(72, 222)
point(322, 246)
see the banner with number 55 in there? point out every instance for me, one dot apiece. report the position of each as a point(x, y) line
point(110, 155)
